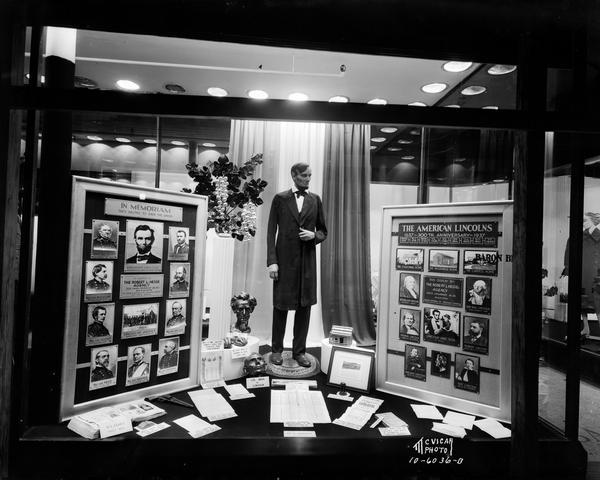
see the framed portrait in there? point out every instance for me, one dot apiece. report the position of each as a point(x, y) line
point(179, 243)
point(179, 280)
point(410, 325)
point(443, 261)
point(103, 367)
point(441, 326)
point(441, 364)
point(476, 335)
point(409, 259)
point(466, 372)
point(168, 355)
point(138, 364)
point(352, 367)
point(100, 324)
point(480, 262)
point(478, 295)
point(98, 284)
point(105, 239)
point(143, 246)
point(140, 320)
point(175, 317)
point(415, 362)
point(410, 289)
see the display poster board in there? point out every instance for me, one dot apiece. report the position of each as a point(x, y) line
point(445, 306)
point(134, 304)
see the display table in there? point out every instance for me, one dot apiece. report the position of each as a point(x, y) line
point(233, 368)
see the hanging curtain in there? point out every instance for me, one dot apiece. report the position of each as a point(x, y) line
point(345, 259)
point(283, 144)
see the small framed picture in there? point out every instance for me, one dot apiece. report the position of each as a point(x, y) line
point(441, 364)
point(168, 356)
point(179, 280)
point(415, 362)
point(466, 373)
point(143, 246)
point(105, 239)
point(441, 326)
point(409, 259)
point(175, 317)
point(103, 367)
point(410, 325)
point(179, 243)
point(480, 262)
point(99, 281)
point(476, 335)
point(140, 320)
point(443, 261)
point(410, 289)
point(354, 368)
point(138, 364)
point(100, 324)
point(478, 295)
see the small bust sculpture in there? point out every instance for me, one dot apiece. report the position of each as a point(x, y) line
point(242, 305)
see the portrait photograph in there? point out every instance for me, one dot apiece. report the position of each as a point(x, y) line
point(100, 324)
point(179, 280)
point(105, 239)
point(103, 367)
point(140, 320)
point(466, 372)
point(143, 246)
point(480, 262)
point(98, 281)
point(441, 364)
point(478, 295)
point(410, 289)
point(175, 317)
point(168, 355)
point(409, 259)
point(476, 335)
point(179, 243)
point(441, 326)
point(443, 261)
point(415, 362)
point(410, 325)
point(138, 364)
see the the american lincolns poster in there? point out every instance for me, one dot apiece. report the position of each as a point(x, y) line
point(449, 234)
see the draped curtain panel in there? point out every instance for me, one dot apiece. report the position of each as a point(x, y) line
point(345, 258)
point(283, 144)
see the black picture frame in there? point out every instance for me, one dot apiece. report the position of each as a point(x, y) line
point(351, 357)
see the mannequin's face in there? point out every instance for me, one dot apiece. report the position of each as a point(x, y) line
point(302, 179)
point(587, 222)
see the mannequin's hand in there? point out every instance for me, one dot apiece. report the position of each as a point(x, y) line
point(274, 272)
point(306, 235)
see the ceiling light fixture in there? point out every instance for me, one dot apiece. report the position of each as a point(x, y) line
point(417, 104)
point(174, 88)
point(83, 82)
point(473, 90)
point(373, 147)
point(408, 157)
point(378, 139)
point(501, 69)
point(209, 145)
point(94, 138)
point(389, 129)
point(394, 149)
point(457, 67)
point(377, 101)
point(127, 85)
point(151, 141)
point(434, 87)
point(402, 141)
point(339, 99)
point(415, 131)
point(217, 92)
point(452, 106)
point(178, 143)
point(258, 94)
point(298, 97)
point(122, 140)
point(490, 107)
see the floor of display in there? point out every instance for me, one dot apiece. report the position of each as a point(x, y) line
point(251, 440)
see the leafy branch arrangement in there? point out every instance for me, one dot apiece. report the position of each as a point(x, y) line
point(233, 194)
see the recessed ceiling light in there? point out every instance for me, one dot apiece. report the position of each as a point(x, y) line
point(417, 104)
point(408, 157)
point(394, 149)
point(298, 97)
point(127, 85)
point(151, 141)
point(123, 140)
point(373, 147)
point(434, 87)
point(179, 143)
point(339, 99)
point(217, 92)
point(377, 101)
point(258, 94)
point(43, 79)
point(416, 131)
point(490, 107)
point(499, 180)
point(501, 69)
point(83, 82)
point(94, 138)
point(452, 106)
point(456, 67)
point(209, 145)
point(404, 142)
point(473, 90)
point(174, 88)
point(378, 139)
point(389, 129)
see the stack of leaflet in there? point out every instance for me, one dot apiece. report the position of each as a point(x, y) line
point(357, 415)
point(212, 405)
point(139, 410)
point(393, 426)
point(454, 424)
point(493, 428)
